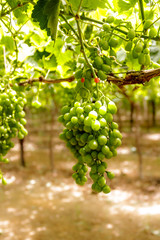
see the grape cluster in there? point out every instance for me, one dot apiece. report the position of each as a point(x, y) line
point(12, 119)
point(92, 136)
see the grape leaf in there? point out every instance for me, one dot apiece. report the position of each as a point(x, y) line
point(19, 13)
point(46, 12)
point(126, 5)
point(88, 5)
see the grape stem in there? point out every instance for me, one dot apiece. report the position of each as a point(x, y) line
point(132, 77)
point(83, 50)
point(142, 10)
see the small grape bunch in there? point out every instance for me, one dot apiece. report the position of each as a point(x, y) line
point(92, 136)
point(12, 119)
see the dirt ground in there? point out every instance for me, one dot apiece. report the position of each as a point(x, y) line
point(38, 204)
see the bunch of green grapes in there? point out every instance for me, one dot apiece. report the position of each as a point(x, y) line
point(12, 119)
point(92, 136)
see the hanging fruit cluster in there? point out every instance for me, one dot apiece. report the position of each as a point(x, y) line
point(12, 119)
point(91, 135)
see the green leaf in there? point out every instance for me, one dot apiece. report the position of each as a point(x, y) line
point(126, 5)
point(20, 12)
point(51, 63)
point(46, 12)
point(88, 5)
point(52, 9)
point(8, 42)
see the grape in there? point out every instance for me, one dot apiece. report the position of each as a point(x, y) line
point(11, 109)
point(91, 135)
point(93, 115)
point(102, 75)
point(106, 189)
point(106, 68)
point(101, 169)
point(152, 33)
point(110, 175)
point(106, 27)
point(93, 144)
point(104, 45)
point(98, 61)
point(79, 110)
point(128, 46)
point(113, 42)
point(101, 181)
point(103, 122)
point(110, 19)
point(102, 110)
point(74, 120)
point(112, 107)
point(131, 34)
point(139, 47)
point(147, 24)
point(87, 121)
point(98, 104)
point(102, 139)
point(96, 125)
point(141, 59)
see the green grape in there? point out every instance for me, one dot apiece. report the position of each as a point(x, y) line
point(106, 68)
point(98, 61)
point(102, 75)
point(101, 181)
point(106, 189)
point(79, 110)
point(67, 116)
point(116, 133)
point(102, 140)
point(104, 45)
point(109, 155)
point(103, 122)
point(147, 24)
point(94, 169)
point(108, 117)
point(101, 169)
point(128, 46)
point(95, 125)
point(141, 59)
point(93, 115)
point(88, 159)
point(112, 107)
point(147, 59)
point(77, 104)
point(106, 27)
point(110, 19)
point(131, 33)
point(114, 125)
point(98, 104)
point(113, 42)
point(74, 120)
point(101, 156)
point(152, 32)
point(93, 144)
point(96, 187)
point(139, 47)
point(105, 150)
point(102, 110)
point(94, 154)
point(87, 121)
